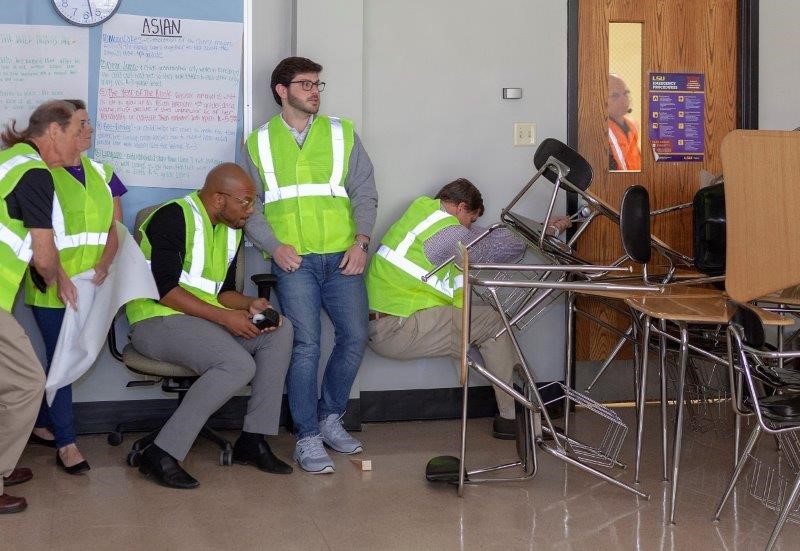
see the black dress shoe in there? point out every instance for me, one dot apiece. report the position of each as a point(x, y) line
point(11, 504)
point(504, 429)
point(18, 476)
point(165, 469)
point(41, 441)
point(257, 451)
point(78, 468)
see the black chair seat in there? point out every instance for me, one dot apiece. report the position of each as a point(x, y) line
point(780, 408)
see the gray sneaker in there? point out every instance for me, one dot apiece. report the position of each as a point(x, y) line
point(310, 454)
point(334, 435)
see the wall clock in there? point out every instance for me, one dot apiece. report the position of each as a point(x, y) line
point(86, 13)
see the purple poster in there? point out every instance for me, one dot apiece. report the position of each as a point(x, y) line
point(677, 116)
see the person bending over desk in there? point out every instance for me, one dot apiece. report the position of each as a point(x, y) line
point(201, 322)
point(26, 235)
point(410, 318)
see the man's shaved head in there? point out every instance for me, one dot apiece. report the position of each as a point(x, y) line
point(228, 194)
point(227, 177)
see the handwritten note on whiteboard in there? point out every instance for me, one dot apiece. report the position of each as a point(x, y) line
point(168, 98)
point(39, 63)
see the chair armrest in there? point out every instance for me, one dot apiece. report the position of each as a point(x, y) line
point(264, 283)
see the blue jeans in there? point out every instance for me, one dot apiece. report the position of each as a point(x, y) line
point(58, 416)
point(319, 283)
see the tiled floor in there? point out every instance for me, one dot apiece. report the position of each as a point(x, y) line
point(391, 507)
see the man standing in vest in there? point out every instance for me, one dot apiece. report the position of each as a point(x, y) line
point(26, 236)
point(410, 318)
point(201, 322)
point(623, 136)
point(320, 203)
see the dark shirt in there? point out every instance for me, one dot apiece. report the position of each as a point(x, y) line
point(32, 199)
point(116, 185)
point(167, 235)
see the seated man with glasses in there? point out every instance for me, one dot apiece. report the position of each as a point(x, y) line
point(201, 322)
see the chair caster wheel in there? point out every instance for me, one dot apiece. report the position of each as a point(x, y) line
point(226, 458)
point(115, 438)
point(133, 458)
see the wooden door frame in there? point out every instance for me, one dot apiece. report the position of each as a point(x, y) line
point(747, 80)
point(747, 77)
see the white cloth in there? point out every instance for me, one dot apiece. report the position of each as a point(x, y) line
point(84, 330)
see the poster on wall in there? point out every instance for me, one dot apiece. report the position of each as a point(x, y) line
point(677, 116)
point(39, 63)
point(167, 98)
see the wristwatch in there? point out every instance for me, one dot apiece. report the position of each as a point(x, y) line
point(364, 245)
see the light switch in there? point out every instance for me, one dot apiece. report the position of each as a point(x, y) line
point(524, 134)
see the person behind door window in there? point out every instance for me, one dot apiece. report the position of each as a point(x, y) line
point(320, 204)
point(26, 236)
point(623, 135)
point(83, 226)
point(410, 318)
point(202, 322)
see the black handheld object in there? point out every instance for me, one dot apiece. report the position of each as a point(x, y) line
point(267, 318)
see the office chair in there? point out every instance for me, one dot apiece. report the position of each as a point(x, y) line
point(174, 378)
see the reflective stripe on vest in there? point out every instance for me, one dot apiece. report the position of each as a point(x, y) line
point(416, 272)
point(194, 277)
point(20, 247)
point(397, 257)
point(100, 169)
point(619, 156)
point(64, 241)
point(275, 193)
point(14, 162)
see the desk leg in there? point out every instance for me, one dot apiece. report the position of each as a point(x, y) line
point(570, 356)
point(462, 465)
point(662, 352)
point(676, 455)
point(643, 355)
point(784, 513)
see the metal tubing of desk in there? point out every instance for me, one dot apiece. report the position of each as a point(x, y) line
point(662, 353)
point(643, 354)
point(787, 507)
point(751, 442)
point(676, 455)
point(571, 297)
point(462, 463)
point(612, 355)
point(637, 362)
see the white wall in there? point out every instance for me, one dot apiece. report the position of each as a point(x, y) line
point(422, 80)
point(433, 74)
point(778, 65)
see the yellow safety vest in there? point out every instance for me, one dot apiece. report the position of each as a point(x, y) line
point(305, 201)
point(394, 278)
point(81, 217)
point(209, 253)
point(15, 239)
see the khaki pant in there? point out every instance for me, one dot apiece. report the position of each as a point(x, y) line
point(21, 388)
point(437, 332)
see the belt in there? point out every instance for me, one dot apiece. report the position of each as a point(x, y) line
point(377, 315)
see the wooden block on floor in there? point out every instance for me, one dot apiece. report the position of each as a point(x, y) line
point(363, 464)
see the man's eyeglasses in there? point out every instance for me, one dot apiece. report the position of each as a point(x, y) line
point(246, 203)
point(307, 85)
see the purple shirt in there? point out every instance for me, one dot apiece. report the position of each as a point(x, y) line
point(117, 188)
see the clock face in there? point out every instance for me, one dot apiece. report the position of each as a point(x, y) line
point(86, 13)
